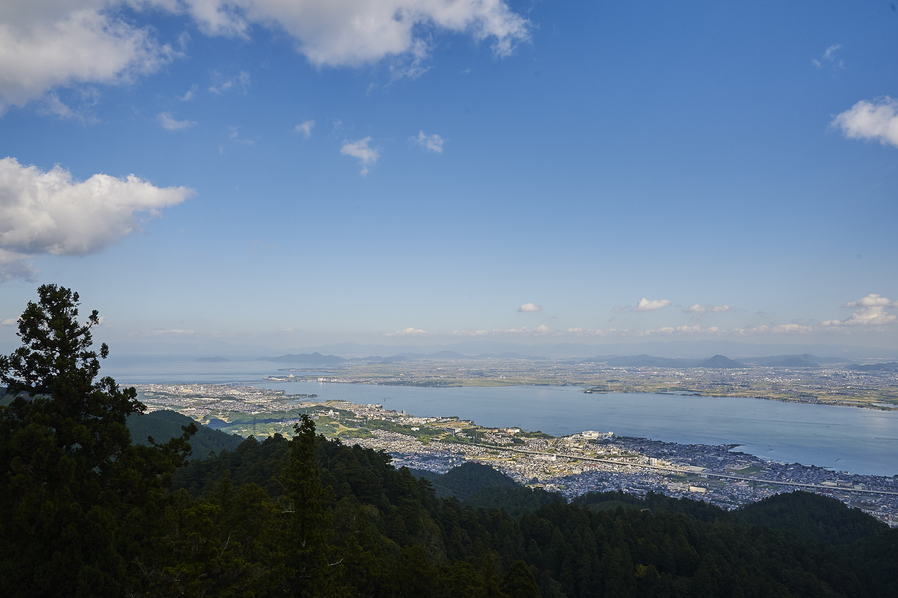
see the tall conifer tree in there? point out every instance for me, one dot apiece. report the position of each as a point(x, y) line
point(69, 475)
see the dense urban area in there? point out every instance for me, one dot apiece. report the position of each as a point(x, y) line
point(573, 465)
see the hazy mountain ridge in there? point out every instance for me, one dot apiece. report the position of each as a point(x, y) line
point(672, 350)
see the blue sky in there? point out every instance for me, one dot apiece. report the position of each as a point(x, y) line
point(297, 173)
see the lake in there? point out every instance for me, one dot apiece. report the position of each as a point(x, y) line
point(860, 441)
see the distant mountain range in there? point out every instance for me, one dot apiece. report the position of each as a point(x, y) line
point(319, 359)
point(310, 358)
point(805, 360)
point(741, 351)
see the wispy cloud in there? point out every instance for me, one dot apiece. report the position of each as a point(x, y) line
point(530, 307)
point(305, 128)
point(877, 120)
point(431, 143)
point(9, 322)
point(870, 311)
point(703, 309)
point(778, 329)
point(829, 58)
point(236, 138)
point(408, 332)
point(409, 66)
point(170, 124)
point(221, 84)
point(189, 95)
point(651, 305)
point(693, 331)
point(360, 150)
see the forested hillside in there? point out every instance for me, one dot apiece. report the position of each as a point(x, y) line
point(389, 535)
point(164, 425)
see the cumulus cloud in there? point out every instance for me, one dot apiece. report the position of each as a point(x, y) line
point(704, 309)
point(365, 31)
point(50, 212)
point(877, 120)
point(647, 305)
point(57, 43)
point(530, 307)
point(870, 312)
point(871, 300)
point(9, 322)
point(170, 124)
point(305, 128)
point(360, 150)
point(542, 329)
point(408, 332)
point(432, 143)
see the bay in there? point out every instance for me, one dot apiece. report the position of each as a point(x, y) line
point(859, 441)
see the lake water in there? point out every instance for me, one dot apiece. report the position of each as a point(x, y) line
point(861, 441)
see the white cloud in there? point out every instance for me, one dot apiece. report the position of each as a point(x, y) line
point(409, 67)
point(432, 143)
point(542, 329)
point(530, 307)
point(870, 120)
point(57, 43)
point(222, 84)
point(408, 332)
point(786, 328)
point(235, 137)
point(647, 305)
point(305, 128)
point(9, 322)
point(366, 31)
point(703, 309)
point(872, 300)
point(360, 150)
point(870, 312)
point(49, 212)
point(15, 265)
point(829, 57)
point(191, 93)
point(170, 124)
point(779, 329)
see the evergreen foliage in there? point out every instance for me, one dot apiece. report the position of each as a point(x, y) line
point(70, 479)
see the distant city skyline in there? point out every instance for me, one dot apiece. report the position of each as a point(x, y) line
point(397, 173)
